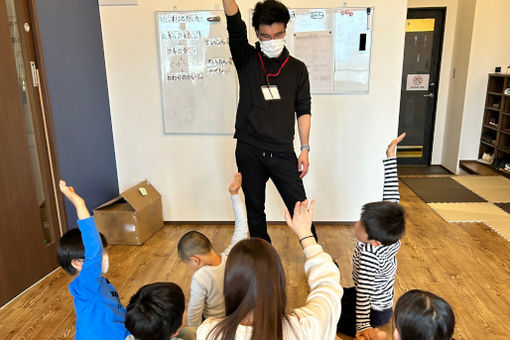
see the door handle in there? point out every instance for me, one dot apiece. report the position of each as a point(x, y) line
point(33, 68)
point(48, 147)
point(431, 95)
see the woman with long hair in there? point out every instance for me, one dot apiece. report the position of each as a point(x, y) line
point(254, 291)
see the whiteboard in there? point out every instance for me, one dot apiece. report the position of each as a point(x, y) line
point(335, 45)
point(352, 65)
point(197, 76)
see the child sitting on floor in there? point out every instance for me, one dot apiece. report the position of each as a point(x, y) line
point(156, 312)
point(99, 312)
point(195, 249)
point(369, 303)
point(421, 315)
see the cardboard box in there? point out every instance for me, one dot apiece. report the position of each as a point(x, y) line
point(132, 217)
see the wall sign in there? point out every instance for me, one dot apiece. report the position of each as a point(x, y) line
point(418, 82)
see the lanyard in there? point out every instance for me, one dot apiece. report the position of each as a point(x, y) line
point(271, 74)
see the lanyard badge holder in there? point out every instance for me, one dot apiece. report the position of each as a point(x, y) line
point(270, 92)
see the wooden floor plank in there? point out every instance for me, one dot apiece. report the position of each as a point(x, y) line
point(466, 263)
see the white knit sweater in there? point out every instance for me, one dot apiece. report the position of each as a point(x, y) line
point(319, 317)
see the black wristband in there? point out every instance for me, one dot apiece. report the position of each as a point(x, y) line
point(304, 238)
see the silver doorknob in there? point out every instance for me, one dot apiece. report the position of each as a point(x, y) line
point(431, 95)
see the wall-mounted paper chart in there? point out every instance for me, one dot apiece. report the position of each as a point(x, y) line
point(335, 45)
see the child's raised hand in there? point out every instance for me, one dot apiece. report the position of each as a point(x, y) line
point(235, 185)
point(75, 199)
point(301, 222)
point(391, 151)
point(71, 195)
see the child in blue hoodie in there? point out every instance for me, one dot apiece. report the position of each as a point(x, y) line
point(99, 312)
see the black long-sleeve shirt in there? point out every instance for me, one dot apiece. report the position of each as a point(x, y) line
point(267, 124)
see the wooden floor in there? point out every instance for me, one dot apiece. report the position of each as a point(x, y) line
point(466, 263)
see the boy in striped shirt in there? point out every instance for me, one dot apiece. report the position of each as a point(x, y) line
point(369, 303)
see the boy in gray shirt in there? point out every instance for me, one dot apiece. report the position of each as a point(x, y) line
point(196, 251)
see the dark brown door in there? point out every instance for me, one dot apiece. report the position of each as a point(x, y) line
point(420, 81)
point(30, 221)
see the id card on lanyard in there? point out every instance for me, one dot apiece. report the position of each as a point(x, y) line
point(270, 92)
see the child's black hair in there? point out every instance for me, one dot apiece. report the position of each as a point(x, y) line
point(155, 311)
point(383, 221)
point(70, 247)
point(269, 12)
point(421, 315)
point(193, 243)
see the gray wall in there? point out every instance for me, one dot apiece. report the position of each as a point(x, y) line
point(76, 77)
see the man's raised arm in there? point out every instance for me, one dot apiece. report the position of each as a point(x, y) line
point(230, 7)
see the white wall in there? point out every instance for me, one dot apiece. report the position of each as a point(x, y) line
point(490, 48)
point(348, 138)
point(445, 71)
point(460, 64)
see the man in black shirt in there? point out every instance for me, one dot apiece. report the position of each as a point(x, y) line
point(274, 91)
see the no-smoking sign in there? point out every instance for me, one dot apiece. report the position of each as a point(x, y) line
point(418, 79)
point(418, 82)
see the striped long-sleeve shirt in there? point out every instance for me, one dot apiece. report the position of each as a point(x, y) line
point(374, 268)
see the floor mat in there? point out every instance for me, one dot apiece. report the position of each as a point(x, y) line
point(440, 189)
point(492, 188)
point(488, 213)
point(406, 170)
point(504, 206)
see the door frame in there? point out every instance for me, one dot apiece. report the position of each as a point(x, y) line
point(18, 194)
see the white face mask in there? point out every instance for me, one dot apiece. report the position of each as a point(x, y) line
point(272, 48)
point(105, 264)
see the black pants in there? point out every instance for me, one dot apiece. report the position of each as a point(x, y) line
point(347, 322)
point(257, 166)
